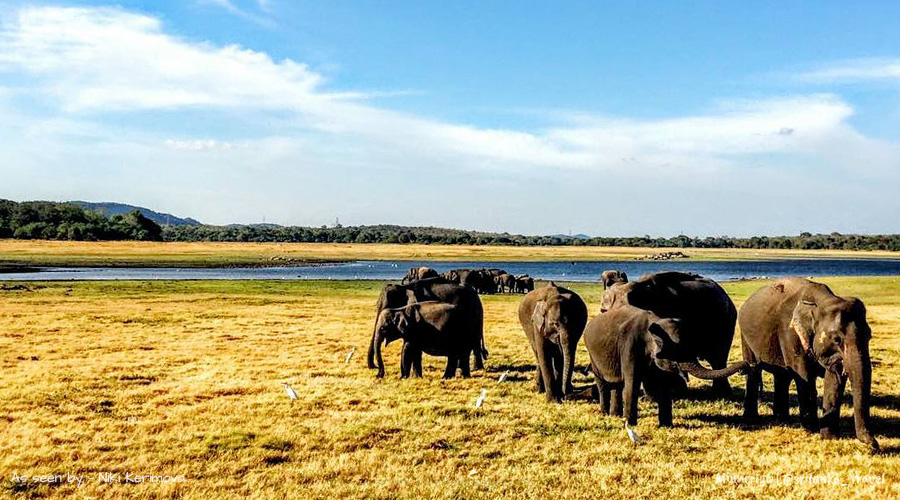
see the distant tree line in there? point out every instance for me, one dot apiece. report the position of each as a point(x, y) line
point(44, 220)
point(433, 235)
point(66, 221)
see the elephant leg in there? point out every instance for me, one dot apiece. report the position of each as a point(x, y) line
point(631, 393)
point(545, 365)
point(604, 392)
point(615, 400)
point(452, 363)
point(405, 360)
point(809, 414)
point(417, 363)
point(831, 404)
point(464, 365)
point(539, 381)
point(751, 396)
point(664, 402)
point(721, 386)
point(781, 405)
point(479, 358)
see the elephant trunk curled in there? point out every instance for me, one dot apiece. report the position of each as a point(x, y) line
point(696, 369)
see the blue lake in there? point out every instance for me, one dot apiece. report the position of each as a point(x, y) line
point(562, 271)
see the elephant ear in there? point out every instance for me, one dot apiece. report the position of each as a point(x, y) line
point(665, 336)
point(539, 317)
point(803, 320)
point(401, 319)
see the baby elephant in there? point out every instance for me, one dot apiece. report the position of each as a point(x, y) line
point(553, 318)
point(432, 327)
point(629, 347)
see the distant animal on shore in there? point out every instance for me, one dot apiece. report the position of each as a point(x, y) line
point(800, 330)
point(432, 327)
point(524, 283)
point(611, 277)
point(419, 273)
point(505, 283)
point(553, 318)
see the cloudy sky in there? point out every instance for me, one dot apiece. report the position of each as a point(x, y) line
point(660, 118)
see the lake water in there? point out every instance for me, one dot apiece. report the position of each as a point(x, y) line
point(562, 271)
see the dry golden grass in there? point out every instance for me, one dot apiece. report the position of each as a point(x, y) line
point(135, 253)
point(184, 378)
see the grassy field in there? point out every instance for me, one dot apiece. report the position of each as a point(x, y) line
point(134, 253)
point(184, 378)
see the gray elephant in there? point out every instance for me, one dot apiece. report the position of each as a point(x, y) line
point(439, 289)
point(800, 330)
point(553, 318)
point(419, 273)
point(629, 347)
point(611, 277)
point(707, 314)
point(435, 328)
point(452, 275)
point(505, 283)
point(524, 283)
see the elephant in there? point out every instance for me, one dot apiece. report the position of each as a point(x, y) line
point(452, 275)
point(432, 327)
point(524, 283)
point(505, 283)
point(419, 273)
point(440, 289)
point(610, 277)
point(799, 330)
point(481, 280)
point(553, 318)
point(707, 314)
point(629, 347)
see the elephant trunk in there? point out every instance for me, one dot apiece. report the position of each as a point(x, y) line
point(370, 359)
point(696, 369)
point(378, 341)
point(568, 349)
point(859, 368)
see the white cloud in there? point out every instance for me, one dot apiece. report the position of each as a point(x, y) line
point(855, 71)
point(89, 65)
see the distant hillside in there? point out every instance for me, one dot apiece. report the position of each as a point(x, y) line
point(111, 208)
point(571, 236)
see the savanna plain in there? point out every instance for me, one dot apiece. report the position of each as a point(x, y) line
point(184, 378)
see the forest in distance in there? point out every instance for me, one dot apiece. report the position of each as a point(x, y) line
point(67, 221)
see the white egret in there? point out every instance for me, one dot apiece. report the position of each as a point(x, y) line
point(503, 376)
point(633, 436)
point(480, 400)
point(290, 392)
point(350, 355)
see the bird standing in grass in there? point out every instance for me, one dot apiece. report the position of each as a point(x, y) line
point(350, 355)
point(633, 436)
point(503, 376)
point(480, 400)
point(290, 392)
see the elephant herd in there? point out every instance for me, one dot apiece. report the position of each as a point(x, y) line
point(481, 280)
point(651, 334)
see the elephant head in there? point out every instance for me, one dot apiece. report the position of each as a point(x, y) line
point(611, 277)
point(835, 332)
point(392, 324)
point(669, 354)
point(615, 294)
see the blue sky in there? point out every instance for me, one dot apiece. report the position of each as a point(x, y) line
point(626, 118)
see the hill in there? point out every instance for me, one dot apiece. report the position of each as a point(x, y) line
point(113, 208)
